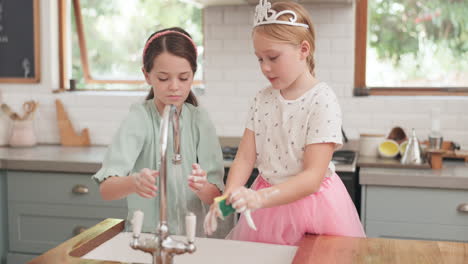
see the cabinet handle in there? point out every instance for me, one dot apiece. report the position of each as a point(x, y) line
point(463, 208)
point(80, 189)
point(78, 230)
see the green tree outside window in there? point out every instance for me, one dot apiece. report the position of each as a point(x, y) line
point(116, 32)
point(417, 43)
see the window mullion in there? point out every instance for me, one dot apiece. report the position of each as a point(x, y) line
point(81, 40)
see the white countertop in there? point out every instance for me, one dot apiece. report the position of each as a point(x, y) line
point(453, 175)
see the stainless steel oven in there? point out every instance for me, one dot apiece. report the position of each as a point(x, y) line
point(345, 166)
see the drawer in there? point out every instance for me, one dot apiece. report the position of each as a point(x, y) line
point(56, 188)
point(412, 231)
point(15, 258)
point(415, 205)
point(37, 228)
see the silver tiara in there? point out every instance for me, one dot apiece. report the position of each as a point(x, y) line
point(264, 8)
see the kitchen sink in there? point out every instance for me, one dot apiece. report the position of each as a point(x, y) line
point(208, 251)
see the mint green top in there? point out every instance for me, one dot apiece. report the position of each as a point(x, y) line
point(136, 146)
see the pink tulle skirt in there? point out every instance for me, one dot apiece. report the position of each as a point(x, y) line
point(330, 211)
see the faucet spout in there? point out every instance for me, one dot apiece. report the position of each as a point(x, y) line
point(162, 246)
point(169, 115)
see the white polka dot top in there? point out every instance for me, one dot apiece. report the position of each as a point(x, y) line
point(284, 127)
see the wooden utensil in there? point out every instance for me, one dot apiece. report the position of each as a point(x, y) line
point(7, 110)
point(29, 108)
point(68, 136)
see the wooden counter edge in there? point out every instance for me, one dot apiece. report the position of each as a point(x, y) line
point(71, 250)
point(311, 249)
point(338, 249)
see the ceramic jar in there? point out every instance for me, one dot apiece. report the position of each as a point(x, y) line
point(22, 133)
point(369, 144)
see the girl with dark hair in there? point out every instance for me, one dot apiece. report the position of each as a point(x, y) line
point(130, 167)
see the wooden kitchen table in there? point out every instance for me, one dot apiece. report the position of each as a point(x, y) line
point(312, 249)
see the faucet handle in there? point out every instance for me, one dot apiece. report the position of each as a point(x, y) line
point(137, 222)
point(190, 226)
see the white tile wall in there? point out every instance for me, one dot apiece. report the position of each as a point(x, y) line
point(232, 78)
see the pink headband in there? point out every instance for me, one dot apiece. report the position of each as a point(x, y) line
point(155, 36)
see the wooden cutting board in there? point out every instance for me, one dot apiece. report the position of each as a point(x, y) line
point(456, 154)
point(68, 136)
point(436, 156)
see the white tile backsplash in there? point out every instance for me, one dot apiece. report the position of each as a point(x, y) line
point(232, 78)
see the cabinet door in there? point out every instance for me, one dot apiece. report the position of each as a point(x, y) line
point(46, 209)
point(3, 216)
point(56, 188)
point(36, 228)
point(415, 213)
point(15, 258)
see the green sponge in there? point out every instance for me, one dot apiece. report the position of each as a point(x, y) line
point(223, 207)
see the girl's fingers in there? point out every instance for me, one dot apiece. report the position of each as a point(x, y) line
point(210, 224)
point(198, 172)
point(149, 185)
point(192, 178)
point(193, 188)
point(146, 191)
point(196, 187)
point(242, 209)
point(147, 195)
point(205, 222)
point(145, 183)
point(250, 222)
point(201, 179)
point(149, 179)
point(239, 203)
point(237, 194)
point(196, 183)
point(145, 171)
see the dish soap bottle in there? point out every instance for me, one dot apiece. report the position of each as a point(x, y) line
point(413, 151)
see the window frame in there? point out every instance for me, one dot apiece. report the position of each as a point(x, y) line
point(64, 81)
point(360, 87)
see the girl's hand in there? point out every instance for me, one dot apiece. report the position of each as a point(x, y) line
point(211, 222)
point(243, 199)
point(197, 180)
point(145, 182)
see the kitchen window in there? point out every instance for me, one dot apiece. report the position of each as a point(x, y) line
point(101, 41)
point(411, 47)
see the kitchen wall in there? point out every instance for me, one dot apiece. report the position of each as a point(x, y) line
point(233, 77)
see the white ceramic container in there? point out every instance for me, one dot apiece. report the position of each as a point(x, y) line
point(369, 143)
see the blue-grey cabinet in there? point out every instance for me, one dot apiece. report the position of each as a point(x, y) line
point(415, 213)
point(46, 209)
point(3, 218)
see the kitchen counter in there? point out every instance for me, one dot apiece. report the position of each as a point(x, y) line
point(70, 159)
point(454, 175)
point(311, 249)
point(56, 158)
point(53, 158)
point(88, 160)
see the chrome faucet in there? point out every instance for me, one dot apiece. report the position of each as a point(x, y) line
point(162, 246)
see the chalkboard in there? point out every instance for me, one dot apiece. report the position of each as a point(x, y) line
point(19, 41)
